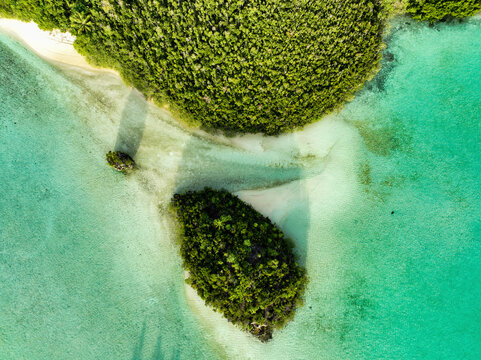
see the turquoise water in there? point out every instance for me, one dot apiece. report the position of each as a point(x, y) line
point(382, 199)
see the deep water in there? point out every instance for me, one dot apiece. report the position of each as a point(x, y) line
point(382, 199)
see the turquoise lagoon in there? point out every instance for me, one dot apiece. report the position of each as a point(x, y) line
point(382, 198)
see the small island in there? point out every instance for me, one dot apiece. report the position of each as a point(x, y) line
point(120, 161)
point(238, 261)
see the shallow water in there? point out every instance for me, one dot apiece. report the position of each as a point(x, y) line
point(382, 200)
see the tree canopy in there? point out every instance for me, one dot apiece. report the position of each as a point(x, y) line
point(235, 65)
point(434, 10)
point(48, 14)
point(120, 161)
point(238, 261)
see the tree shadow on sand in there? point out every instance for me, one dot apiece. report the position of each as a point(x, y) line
point(132, 124)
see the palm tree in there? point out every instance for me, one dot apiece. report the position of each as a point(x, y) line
point(81, 23)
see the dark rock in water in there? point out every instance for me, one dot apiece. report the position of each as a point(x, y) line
point(120, 161)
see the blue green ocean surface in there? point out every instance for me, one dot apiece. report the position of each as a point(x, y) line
point(382, 199)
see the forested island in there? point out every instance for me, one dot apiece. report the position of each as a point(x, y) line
point(238, 261)
point(242, 66)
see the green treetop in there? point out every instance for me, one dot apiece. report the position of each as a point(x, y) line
point(234, 65)
point(238, 261)
point(434, 10)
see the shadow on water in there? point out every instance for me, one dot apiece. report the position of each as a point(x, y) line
point(132, 124)
point(137, 355)
point(158, 353)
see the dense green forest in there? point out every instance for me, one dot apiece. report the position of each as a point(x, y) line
point(243, 65)
point(433, 10)
point(48, 14)
point(235, 65)
point(238, 261)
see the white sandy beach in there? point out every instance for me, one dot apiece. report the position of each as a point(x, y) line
point(52, 46)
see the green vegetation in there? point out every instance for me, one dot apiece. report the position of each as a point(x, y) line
point(434, 10)
point(247, 66)
point(119, 161)
point(48, 14)
point(238, 261)
point(395, 7)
